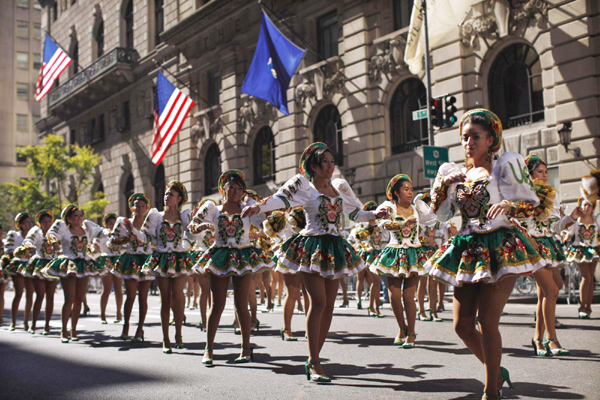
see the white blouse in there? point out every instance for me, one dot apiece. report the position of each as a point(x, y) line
point(587, 235)
point(134, 245)
point(553, 225)
point(230, 230)
point(107, 248)
point(441, 233)
point(13, 240)
point(166, 237)
point(401, 236)
point(509, 180)
point(35, 239)
point(73, 246)
point(323, 214)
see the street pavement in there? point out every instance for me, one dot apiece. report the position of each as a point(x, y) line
point(358, 354)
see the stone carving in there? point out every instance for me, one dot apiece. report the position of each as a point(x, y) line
point(322, 79)
point(335, 82)
point(305, 91)
point(253, 110)
point(210, 121)
point(389, 58)
point(493, 19)
point(196, 133)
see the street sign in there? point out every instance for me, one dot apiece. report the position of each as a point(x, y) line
point(433, 157)
point(419, 114)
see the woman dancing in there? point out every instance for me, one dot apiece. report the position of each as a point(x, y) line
point(109, 255)
point(319, 253)
point(232, 255)
point(128, 266)
point(485, 257)
point(170, 261)
point(42, 253)
point(19, 259)
point(74, 266)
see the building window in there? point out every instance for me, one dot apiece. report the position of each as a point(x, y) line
point(125, 116)
point(406, 133)
point(89, 131)
point(212, 169)
point(98, 132)
point(159, 187)
point(328, 129)
point(214, 88)
point(22, 91)
point(37, 30)
point(23, 29)
point(129, 25)
point(100, 40)
point(264, 156)
point(74, 53)
point(327, 34)
point(515, 86)
point(37, 61)
point(128, 191)
point(23, 3)
point(54, 12)
point(22, 60)
point(20, 157)
point(159, 21)
point(402, 12)
point(22, 122)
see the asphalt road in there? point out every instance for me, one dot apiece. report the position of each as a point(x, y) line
point(359, 355)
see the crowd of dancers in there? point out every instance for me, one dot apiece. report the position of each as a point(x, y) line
point(512, 224)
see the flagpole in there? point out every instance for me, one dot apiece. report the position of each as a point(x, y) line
point(66, 52)
point(427, 72)
point(305, 43)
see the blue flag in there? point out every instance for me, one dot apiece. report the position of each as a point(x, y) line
point(275, 61)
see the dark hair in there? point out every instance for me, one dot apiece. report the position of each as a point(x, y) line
point(179, 192)
point(234, 178)
point(480, 119)
point(533, 164)
point(316, 158)
point(45, 216)
point(396, 187)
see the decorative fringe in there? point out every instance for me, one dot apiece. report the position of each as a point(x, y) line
point(546, 194)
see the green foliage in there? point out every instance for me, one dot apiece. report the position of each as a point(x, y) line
point(68, 171)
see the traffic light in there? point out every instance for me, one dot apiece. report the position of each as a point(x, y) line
point(450, 111)
point(437, 112)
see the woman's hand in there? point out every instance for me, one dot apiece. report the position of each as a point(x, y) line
point(455, 177)
point(250, 211)
point(382, 214)
point(128, 224)
point(498, 209)
point(411, 222)
point(577, 213)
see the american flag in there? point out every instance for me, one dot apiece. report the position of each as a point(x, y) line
point(54, 63)
point(171, 107)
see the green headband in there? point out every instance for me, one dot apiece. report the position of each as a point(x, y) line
point(136, 196)
point(107, 217)
point(226, 175)
point(181, 188)
point(494, 121)
point(41, 214)
point(304, 170)
point(19, 219)
point(393, 182)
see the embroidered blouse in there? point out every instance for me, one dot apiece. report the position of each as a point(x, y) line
point(441, 233)
point(586, 235)
point(401, 235)
point(550, 226)
point(323, 214)
point(13, 240)
point(37, 242)
point(509, 180)
point(230, 229)
point(166, 236)
point(121, 238)
point(73, 246)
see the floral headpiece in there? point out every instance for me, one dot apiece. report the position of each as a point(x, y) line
point(533, 158)
point(68, 210)
point(107, 217)
point(393, 182)
point(181, 188)
point(225, 175)
point(19, 219)
point(369, 205)
point(495, 122)
point(41, 214)
point(589, 187)
point(304, 170)
point(135, 197)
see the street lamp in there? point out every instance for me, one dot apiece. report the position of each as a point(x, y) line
point(565, 138)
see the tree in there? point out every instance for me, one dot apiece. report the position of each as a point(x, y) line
point(59, 175)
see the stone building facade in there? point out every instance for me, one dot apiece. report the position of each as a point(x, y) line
point(535, 62)
point(20, 33)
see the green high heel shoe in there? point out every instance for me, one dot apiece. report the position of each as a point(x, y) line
point(492, 396)
point(536, 350)
point(178, 345)
point(505, 378)
point(400, 341)
point(407, 345)
point(166, 349)
point(315, 377)
point(256, 326)
point(287, 338)
point(207, 357)
point(245, 359)
point(137, 339)
point(359, 305)
point(123, 335)
point(74, 337)
point(424, 318)
point(63, 338)
point(555, 352)
point(434, 318)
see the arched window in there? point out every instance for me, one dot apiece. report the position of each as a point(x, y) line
point(328, 129)
point(515, 86)
point(212, 169)
point(264, 156)
point(127, 192)
point(128, 19)
point(159, 187)
point(406, 133)
point(99, 38)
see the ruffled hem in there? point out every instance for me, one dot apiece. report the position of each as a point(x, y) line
point(398, 262)
point(551, 252)
point(35, 267)
point(129, 266)
point(168, 265)
point(14, 267)
point(64, 267)
point(583, 254)
point(225, 261)
point(487, 258)
point(107, 261)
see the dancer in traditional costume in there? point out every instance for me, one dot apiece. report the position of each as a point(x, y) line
point(108, 256)
point(484, 259)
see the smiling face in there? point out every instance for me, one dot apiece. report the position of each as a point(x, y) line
point(324, 169)
point(45, 223)
point(233, 192)
point(75, 220)
point(587, 208)
point(541, 173)
point(404, 193)
point(25, 225)
point(140, 207)
point(172, 198)
point(475, 140)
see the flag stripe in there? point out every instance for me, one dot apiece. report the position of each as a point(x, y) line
point(54, 63)
point(174, 130)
